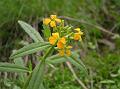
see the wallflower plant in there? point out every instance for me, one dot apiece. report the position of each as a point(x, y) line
point(58, 39)
point(61, 35)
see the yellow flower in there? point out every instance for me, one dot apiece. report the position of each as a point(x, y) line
point(63, 40)
point(61, 52)
point(52, 20)
point(46, 21)
point(61, 43)
point(53, 16)
point(55, 35)
point(53, 38)
point(78, 31)
point(52, 24)
point(58, 20)
point(68, 52)
point(77, 36)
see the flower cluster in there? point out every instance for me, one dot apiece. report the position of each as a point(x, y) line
point(61, 35)
point(52, 20)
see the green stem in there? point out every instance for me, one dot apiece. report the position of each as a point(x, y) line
point(38, 68)
point(47, 53)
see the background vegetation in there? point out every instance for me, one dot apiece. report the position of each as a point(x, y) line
point(100, 50)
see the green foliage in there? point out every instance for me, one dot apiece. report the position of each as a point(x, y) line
point(29, 49)
point(103, 64)
point(8, 67)
point(77, 64)
point(36, 78)
point(60, 78)
point(31, 31)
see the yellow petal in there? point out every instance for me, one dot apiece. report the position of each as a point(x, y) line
point(77, 36)
point(80, 38)
point(61, 52)
point(68, 52)
point(77, 29)
point(58, 20)
point(55, 35)
point(52, 40)
point(60, 45)
point(53, 16)
point(81, 33)
point(63, 40)
point(52, 24)
point(46, 21)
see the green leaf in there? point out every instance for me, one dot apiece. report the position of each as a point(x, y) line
point(36, 78)
point(21, 76)
point(119, 71)
point(29, 49)
point(31, 31)
point(76, 58)
point(77, 64)
point(7, 67)
point(46, 31)
point(55, 59)
point(19, 61)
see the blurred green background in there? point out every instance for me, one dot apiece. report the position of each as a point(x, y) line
point(100, 50)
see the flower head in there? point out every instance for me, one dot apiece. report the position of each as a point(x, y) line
point(66, 51)
point(61, 52)
point(53, 38)
point(77, 35)
point(52, 24)
point(46, 21)
point(61, 35)
point(61, 43)
point(53, 16)
point(78, 31)
point(53, 20)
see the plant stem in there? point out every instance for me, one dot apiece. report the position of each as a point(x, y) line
point(75, 76)
point(47, 53)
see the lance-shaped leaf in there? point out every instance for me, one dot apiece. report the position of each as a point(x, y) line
point(77, 64)
point(31, 31)
point(76, 57)
point(36, 78)
point(56, 59)
point(21, 76)
point(29, 49)
point(8, 67)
